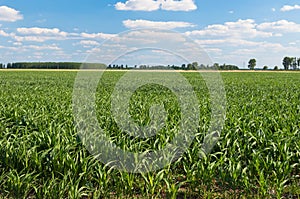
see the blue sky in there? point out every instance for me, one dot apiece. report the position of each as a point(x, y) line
point(228, 31)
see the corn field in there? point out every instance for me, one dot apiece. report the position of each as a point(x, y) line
point(257, 155)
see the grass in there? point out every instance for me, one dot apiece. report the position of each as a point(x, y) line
point(41, 155)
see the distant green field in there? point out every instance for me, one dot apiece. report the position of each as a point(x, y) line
point(258, 155)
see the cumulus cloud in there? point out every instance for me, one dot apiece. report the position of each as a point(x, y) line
point(3, 33)
point(239, 29)
point(37, 34)
point(246, 29)
point(97, 35)
point(9, 14)
point(228, 42)
point(287, 8)
point(43, 47)
point(41, 31)
point(156, 24)
point(23, 48)
point(152, 5)
point(87, 43)
point(183, 5)
point(246, 38)
point(138, 5)
point(280, 26)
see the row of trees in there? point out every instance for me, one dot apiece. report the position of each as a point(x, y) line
point(53, 65)
point(77, 65)
point(189, 66)
point(287, 62)
point(291, 62)
point(215, 66)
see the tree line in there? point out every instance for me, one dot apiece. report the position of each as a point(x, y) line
point(53, 65)
point(291, 62)
point(78, 65)
point(189, 66)
point(287, 62)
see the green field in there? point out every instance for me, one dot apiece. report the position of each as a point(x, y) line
point(257, 156)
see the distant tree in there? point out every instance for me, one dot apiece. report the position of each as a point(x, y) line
point(298, 62)
point(276, 68)
point(194, 65)
point(183, 66)
point(143, 66)
point(265, 68)
point(202, 66)
point(229, 67)
point(294, 63)
point(252, 64)
point(216, 66)
point(55, 65)
point(287, 62)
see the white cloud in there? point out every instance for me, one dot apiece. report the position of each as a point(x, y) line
point(152, 5)
point(227, 42)
point(43, 47)
point(239, 29)
point(41, 31)
point(9, 48)
point(37, 34)
point(3, 33)
point(97, 35)
point(245, 29)
point(43, 34)
point(243, 39)
point(89, 42)
point(36, 38)
point(183, 5)
point(23, 48)
point(280, 26)
point(138, 5)
point(141, 41)
point(156, 24)
point(289, 8)
point(214, 50)
point(17, 43)
point(9, 14)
